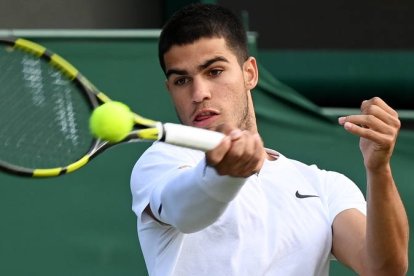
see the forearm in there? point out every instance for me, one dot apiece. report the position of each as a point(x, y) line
point(387, 225)
point(386, 236)
point(194, 198)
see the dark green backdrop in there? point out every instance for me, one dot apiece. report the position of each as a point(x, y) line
point(82, 223)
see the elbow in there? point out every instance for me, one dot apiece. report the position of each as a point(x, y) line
point(401, 267)
point(396, 267)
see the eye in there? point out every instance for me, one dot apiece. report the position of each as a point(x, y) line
point(215, 72)
point(181, 81)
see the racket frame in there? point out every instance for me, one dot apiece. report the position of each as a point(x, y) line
point(92, 96)
point(144, 129)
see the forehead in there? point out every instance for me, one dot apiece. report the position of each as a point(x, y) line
point(196, 53)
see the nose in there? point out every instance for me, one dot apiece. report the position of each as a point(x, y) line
point(201, 91)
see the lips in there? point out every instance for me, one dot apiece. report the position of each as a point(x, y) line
point(205, 117)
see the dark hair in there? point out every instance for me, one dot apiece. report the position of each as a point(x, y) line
point(197, 21)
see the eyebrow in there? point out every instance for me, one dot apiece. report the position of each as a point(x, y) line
point(200, 67)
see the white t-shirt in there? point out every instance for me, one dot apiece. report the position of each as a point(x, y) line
point(278, 224)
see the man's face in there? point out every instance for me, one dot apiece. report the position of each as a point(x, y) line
point(208, 86)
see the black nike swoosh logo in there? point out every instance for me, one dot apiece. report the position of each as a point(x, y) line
point(298, 195)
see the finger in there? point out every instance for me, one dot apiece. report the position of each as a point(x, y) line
point(380, 103)
point(377, 137)
point(216, 155)
point(225, 128)
point(245, 164)
point(255, 163)
point(383, 115)
point(236, 134)
point(376, 118)
point(236, 155)
point(367, 122)
point(244, 158)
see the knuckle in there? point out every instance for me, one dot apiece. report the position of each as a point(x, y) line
point(371, 109)
point(256, 159)
point(398, 124)
point(376, 100)
point(250, 152)
point(388, 141)
point(237, 153)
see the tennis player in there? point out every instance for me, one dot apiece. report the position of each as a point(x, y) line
point(243, 209)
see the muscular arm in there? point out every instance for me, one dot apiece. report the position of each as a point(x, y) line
point(378, 243)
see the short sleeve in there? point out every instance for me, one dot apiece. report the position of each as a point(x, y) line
point(342, 194)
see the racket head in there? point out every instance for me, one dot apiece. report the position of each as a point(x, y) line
point(45, 108)
point(44, 111)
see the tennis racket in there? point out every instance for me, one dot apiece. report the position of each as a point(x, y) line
point(45, 106)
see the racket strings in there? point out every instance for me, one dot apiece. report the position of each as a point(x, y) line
point(43, 115)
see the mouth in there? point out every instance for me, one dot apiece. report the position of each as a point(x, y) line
point(204, 118)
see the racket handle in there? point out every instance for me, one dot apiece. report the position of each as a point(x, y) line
point(191, 137)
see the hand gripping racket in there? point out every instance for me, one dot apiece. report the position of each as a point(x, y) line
point(45, 105)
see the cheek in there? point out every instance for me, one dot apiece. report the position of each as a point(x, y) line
point(182, 108)
point(234, 91)
point(238, 81)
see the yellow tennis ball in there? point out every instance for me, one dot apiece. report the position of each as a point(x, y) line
point(111, 121)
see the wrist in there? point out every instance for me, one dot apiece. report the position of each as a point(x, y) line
point(382, 170)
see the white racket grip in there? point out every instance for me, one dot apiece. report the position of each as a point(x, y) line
point(191, 137)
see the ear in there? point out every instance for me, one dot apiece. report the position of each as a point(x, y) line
point(251, 73)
